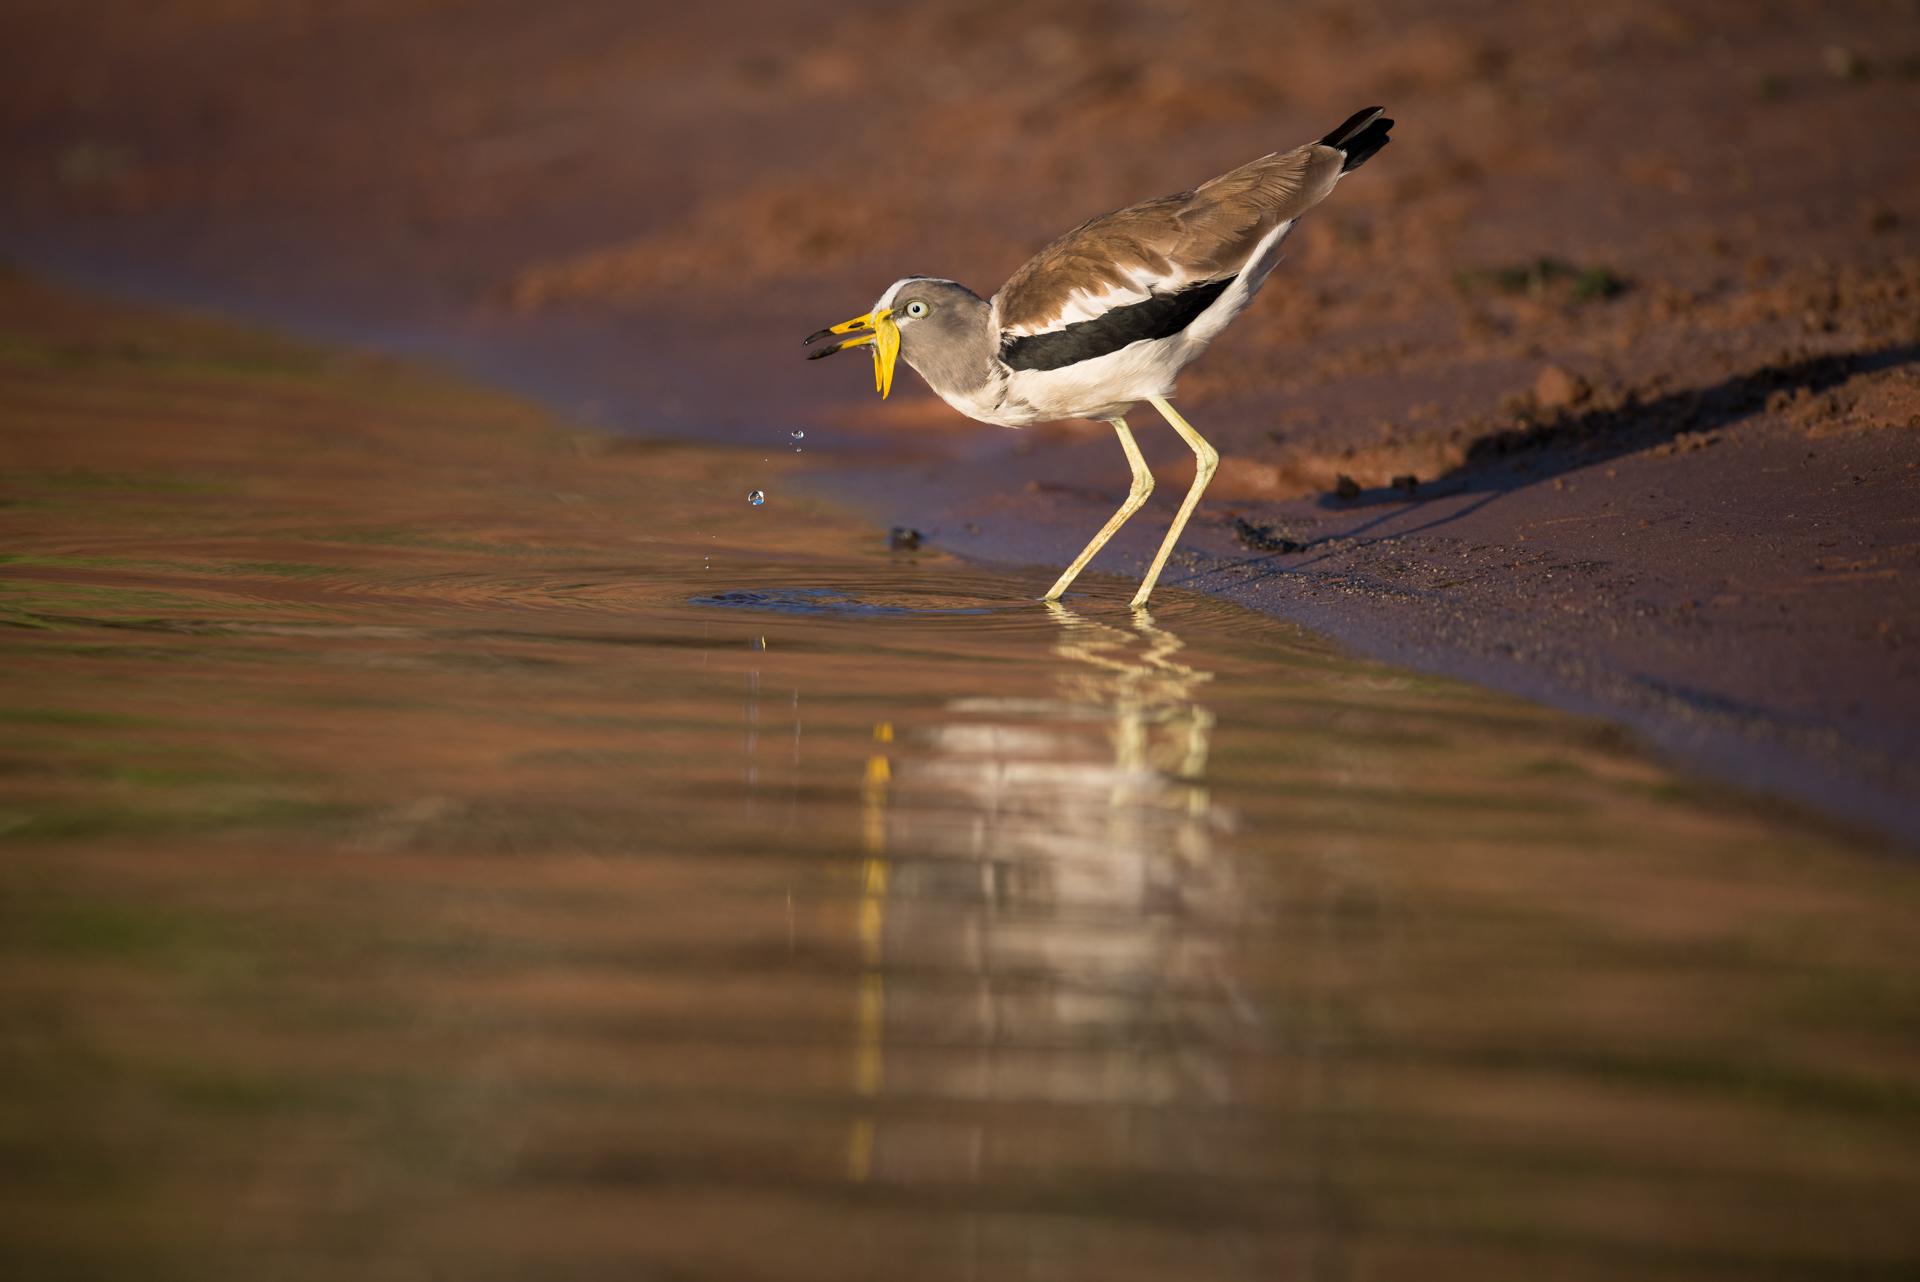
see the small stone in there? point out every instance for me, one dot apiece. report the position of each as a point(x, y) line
point(1557, 389)
point(1346, 487)
point(1263, 538)
point(1406, 483)
point(903, 538)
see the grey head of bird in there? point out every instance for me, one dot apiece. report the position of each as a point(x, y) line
point(943, 329)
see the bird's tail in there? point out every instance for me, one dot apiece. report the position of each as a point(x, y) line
point(1359, 136)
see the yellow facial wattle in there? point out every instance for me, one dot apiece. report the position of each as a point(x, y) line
point(884, 339)
point(886, 350)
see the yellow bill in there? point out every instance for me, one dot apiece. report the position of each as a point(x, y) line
point(883, 337)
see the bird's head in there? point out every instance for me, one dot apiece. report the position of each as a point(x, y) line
point(918, 317)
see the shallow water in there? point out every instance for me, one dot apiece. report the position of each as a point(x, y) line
point(430, 847)
point(905, 927)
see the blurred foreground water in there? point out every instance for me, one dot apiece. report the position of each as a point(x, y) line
point(432, 846)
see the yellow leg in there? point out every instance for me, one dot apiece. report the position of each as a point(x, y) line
point(1205, 459)
point(1136, 495)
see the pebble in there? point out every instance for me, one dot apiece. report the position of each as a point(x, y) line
point(1557, 389)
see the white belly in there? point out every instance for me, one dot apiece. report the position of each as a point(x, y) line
point(1103, 387)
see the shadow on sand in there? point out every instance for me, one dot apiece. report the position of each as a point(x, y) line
point(1578, 438)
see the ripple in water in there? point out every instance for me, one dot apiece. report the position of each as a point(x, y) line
point(823, 601)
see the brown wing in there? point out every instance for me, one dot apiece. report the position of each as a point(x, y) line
point(1204, 234)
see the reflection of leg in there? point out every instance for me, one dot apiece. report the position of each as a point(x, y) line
point(1136, 495)
point(1162, 645)
point(1178, 681)
point(1193, 765)
point(1206, 458)
point(1144, 689)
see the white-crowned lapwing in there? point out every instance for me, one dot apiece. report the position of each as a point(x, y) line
point(1109, 314)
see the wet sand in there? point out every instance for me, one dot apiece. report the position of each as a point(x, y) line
point(1631, 297)
point(438, 841)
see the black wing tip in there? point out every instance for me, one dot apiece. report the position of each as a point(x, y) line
point(1346, 129)
point(1359, 136)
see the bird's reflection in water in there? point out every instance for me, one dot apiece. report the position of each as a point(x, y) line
point(1045, 923)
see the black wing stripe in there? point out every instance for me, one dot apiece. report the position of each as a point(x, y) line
point(1161, 316)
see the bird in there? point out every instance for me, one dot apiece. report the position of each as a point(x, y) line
point(1107, 316)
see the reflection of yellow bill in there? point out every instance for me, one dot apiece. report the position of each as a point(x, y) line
point(869, 1060)
point(884, 337)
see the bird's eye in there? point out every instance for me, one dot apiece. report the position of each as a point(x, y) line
point(916, 308)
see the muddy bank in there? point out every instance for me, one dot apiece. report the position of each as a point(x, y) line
point(1631, 298)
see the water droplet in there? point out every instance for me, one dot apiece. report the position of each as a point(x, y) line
point(797, 434)
point(757, 497)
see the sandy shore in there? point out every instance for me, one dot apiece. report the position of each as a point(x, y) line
point(1634, 298)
